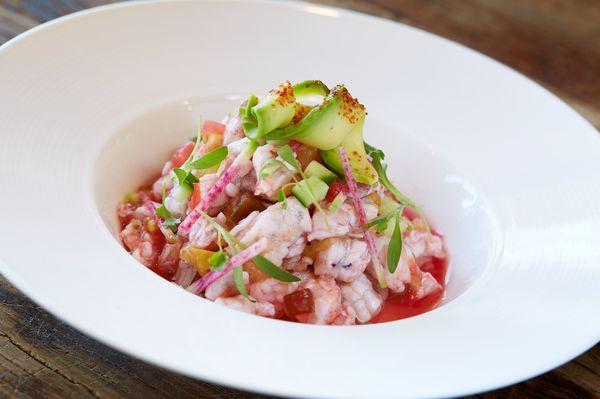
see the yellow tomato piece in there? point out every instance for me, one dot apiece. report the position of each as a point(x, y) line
point(197, 257)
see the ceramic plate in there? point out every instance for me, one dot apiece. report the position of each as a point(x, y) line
point(92, 104)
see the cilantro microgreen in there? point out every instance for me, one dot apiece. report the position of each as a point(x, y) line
point(185, 178)
point(238, 279)
point(378, 162)
point(282, 198)
point(269, 268)
point(169, 221)
point(287, 154)
point(218, 260)
point(197, 142)
point(378, 220)
point(210, 159)
point(247, 120)
point(395, 246)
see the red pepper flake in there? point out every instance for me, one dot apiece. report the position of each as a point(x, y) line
point(298, 302)
point(284, 93)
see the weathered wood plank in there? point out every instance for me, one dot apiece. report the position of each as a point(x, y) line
point(36, 346)
point(555, 42)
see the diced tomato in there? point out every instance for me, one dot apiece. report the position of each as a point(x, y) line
point(197, 257)
point(212, 127)
point(410, 213)
point(212, 134)
point(295, 145)
point(299, 302)
point(182, 154)
point(195, 198)
point(336, 187)
point(254, 273)
point(305, 153)
point(238, 209)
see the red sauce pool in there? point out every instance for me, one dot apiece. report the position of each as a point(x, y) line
point(404, 305)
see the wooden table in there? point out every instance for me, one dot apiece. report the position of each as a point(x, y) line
point(556, 43)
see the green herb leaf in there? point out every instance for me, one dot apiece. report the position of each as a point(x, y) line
point(378, 220)
point(263, 263)
point(247, 120)
point(378, 162)
point(218, 260)
point(169, 221)
point(185, 178)
point(238, 279)
point(213, 158)
point(281, 197)
point(197, 142)
point(381, 227)
point(380, 166)
point(270, 269)
point(395, 247)
point(287, 154)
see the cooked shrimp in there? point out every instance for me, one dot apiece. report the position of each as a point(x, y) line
point(424, 246)
point(428, 285)
point(398, 280)
point(224, 287)
point(206, 183)
point(283, 228)
point(243, 180)
point(327, 300)
point(140, 243)
point(407, 274)
point(202, 233)
point(267, 186)
point(242, 304)
point(341, 221)
point(362, 298)
point(163, 181)
point(233, 129)
point(184, 276)
point(176, 206)
point(297, 263)
point(347, 316)
point(272, 291)
point(168, 260)
point(343, 258)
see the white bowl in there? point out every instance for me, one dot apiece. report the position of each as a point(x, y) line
point(91, 105)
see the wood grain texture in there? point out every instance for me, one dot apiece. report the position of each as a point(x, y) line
point(556, 43)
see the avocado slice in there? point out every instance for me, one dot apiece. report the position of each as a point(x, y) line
point(362, 169)
point(326, 125)
point(310, 91)
point(275, 110)
point(311, 190)
point(314, 168)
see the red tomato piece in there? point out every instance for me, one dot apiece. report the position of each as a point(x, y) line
point(182, 154)
point(195, 198)
point(336, 187)
point(212, 127)
point(299, 302)
point(410, 213)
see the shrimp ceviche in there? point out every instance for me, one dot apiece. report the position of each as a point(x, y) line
point(283, 210)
